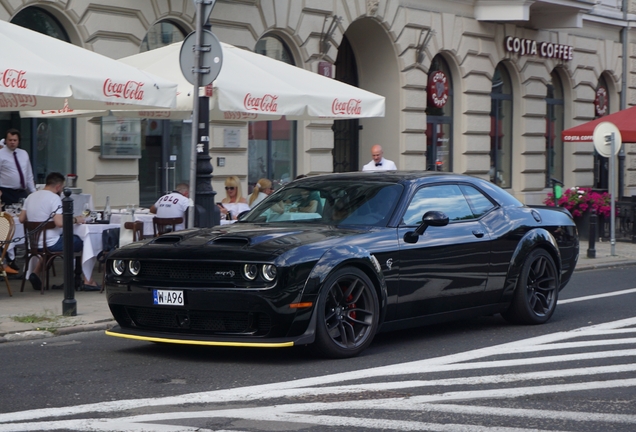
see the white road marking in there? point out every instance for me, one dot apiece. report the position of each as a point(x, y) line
point(597, 296)
point(471, 360)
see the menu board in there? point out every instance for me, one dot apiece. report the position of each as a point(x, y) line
point(121, 138)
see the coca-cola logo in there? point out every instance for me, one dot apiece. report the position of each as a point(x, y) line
point(66, 109)
point(13, 78)
point(350, 107)
point(437, 89)
point(130, 90)
point(154, 114)
point(8, 100)
point(238, 115)
point(267, 103)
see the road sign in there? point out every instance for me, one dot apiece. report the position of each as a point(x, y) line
point(603, 146)
point(211, 57)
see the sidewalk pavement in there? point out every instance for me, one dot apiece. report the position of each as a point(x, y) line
point(30, 315)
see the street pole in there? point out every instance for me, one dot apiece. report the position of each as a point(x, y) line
point(612, 182)
point(195, 113)
point(69, 304)
point(203, 212)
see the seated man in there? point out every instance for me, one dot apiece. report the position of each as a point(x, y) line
point(45, 205)
point(173, 205)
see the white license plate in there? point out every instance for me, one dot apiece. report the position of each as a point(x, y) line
point(167, 297)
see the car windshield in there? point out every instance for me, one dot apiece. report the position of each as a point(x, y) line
point(329, 202)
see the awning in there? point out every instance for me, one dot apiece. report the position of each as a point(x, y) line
point(41, 72)
point(250, 86)
point(625, 121)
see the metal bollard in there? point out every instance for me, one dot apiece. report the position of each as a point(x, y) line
point(591, 252)
point(69, 304)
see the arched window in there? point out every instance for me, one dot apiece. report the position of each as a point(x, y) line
point(162, 34)
point(49, 142)
point(271, 144)
point(553, 129)
point(601, 108)
point(501, 128)
point(439, 117)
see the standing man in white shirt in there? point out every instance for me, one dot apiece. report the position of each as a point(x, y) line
point(378, 163)
point(16, 174)
point(173, 205)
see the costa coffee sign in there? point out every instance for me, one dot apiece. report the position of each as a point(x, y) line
point(8, 100)
point(346, 107)
point(601, 102)
point(130, 90)
point(531, 47)
point(266, 103)
point(13, 78)
point(437, 89)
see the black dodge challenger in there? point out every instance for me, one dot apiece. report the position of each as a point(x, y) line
point(333, 259)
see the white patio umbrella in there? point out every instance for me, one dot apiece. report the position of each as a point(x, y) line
point(40, 72)
point(251, 86)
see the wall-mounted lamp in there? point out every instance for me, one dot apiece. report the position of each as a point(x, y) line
point(424, 39)
point(325, 35)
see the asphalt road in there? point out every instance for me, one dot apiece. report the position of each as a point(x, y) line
point(576, 373)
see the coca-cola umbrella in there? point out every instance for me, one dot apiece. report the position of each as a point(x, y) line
point(251, 86)
point(625, 121)
point(41, 72)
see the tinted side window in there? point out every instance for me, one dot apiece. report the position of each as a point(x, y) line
point(479, 204)
point(445, 198)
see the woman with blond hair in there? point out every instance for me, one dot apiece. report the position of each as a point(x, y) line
point(233, 203)
point(262, 190)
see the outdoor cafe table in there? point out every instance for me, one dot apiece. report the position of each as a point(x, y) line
point(91, 235)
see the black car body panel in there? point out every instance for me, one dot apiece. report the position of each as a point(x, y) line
point(467, 267)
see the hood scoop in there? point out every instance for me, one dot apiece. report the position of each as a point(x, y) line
point(167, 239)
point(231, 241)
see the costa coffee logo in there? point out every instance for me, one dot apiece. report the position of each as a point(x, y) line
point(13, 78)
point(350, 107)
point(438, 89)
point(129, 90)
point(601, 102)
point(543, 49)
point(267, 103)
point(17, 101)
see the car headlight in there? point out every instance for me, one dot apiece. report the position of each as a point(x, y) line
point(250, 271)
point(269, 272)
point(134, 267)
point(119, 267)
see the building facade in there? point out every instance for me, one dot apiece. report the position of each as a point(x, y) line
point(482, 87)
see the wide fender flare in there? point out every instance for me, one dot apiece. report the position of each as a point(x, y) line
point(341, 256)
point(533, 239)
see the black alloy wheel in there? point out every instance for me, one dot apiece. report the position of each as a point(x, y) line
point(347, 314)
point(537, 290)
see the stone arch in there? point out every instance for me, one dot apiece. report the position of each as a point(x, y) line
point(378, 72)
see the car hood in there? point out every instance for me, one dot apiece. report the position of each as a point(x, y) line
point(241, 241)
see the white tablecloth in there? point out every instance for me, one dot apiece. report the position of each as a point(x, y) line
point(91, 235)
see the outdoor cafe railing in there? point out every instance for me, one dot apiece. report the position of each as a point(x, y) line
point(625, 228)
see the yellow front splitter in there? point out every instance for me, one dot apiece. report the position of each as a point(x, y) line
point(207, 343)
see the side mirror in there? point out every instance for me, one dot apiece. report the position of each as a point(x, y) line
point(430, 218)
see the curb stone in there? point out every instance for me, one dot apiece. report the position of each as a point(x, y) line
point(42, 334)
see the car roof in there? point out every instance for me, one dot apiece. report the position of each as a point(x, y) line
point(388, 176)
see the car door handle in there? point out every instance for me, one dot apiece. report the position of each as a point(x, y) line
point(478, 234)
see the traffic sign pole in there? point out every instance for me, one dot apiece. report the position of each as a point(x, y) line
point(195, 113)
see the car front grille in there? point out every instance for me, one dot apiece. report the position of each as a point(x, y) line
point(189, 271)
point(196, 322)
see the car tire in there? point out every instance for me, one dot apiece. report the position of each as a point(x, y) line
point(537, 290)
point(347, 314)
